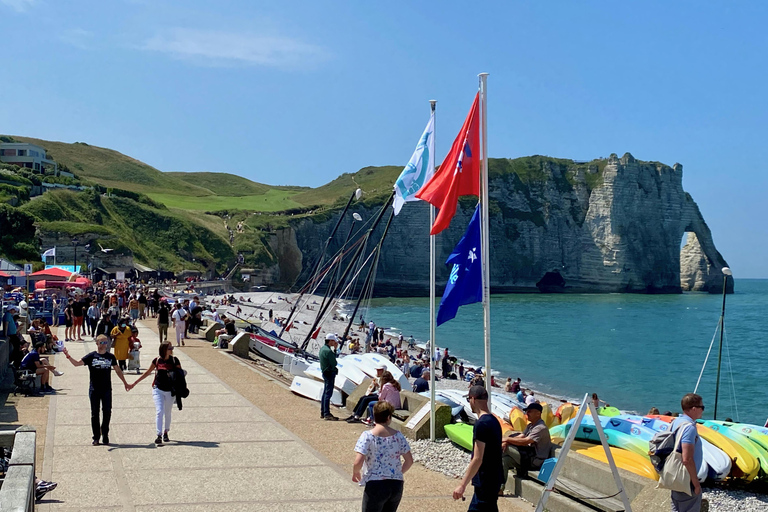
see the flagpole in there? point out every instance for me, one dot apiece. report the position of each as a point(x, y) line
point(432, 325)
point(484, 238)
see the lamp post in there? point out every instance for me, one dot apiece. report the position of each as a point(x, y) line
point(726, 272)
point(75, 242)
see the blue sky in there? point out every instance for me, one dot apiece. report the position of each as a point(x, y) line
point(300, 92)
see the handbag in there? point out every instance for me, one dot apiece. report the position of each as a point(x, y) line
point(674, 475)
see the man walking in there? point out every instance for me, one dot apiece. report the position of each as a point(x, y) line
point(163, 315)
point(100, 363)
point(691, 449)
point(484, 470)
point(328, 368)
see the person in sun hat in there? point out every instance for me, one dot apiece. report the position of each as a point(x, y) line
point(529, 449)
point(371, 395)
point(484, 470)
point(329, 370)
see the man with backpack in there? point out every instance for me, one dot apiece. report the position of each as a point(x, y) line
point(691, 450)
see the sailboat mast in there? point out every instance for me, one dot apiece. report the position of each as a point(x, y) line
point(343, 277)
point(369, 277)
point(432, 317)
point(484, 238)
point(355, 195)
point(726, 273)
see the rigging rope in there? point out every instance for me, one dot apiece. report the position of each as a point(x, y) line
point(711, 343)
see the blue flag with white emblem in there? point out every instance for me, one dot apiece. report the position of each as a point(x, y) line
point(465, 284)
point(420, 168)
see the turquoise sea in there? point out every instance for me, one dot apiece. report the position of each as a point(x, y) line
point(635, 351)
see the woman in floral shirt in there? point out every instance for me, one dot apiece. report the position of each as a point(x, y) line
point(377, 462)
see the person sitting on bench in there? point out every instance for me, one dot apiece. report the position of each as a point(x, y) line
point(526, 450)
point(33, 363)
point(371, 395)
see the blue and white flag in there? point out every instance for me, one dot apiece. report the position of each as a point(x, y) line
point(419, 170)
point(465, 284)
point(49, 252)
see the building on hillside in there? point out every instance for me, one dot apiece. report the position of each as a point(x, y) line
point(30, 156)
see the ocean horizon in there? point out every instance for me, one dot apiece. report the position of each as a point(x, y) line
point(636, 351)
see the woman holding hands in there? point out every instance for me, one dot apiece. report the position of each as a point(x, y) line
point(162, 386)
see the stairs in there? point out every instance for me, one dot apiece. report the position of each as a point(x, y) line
point(584, 485)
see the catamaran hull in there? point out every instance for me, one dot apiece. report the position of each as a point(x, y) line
point(313, 389)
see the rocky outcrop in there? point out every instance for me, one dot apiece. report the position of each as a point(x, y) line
point(611, 225)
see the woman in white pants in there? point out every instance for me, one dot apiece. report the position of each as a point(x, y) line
point(161, 389)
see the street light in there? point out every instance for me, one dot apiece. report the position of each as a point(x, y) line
point(726, 273)
point(75, 242)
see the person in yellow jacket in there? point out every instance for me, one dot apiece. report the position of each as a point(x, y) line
point(120, 335)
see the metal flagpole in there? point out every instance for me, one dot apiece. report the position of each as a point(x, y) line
point(432, 319)
point(484, 239)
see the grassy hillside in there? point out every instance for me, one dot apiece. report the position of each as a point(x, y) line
point(374, 181)
point(157, 237)
point(112, 169)
point(225, 184)
point(272, 200)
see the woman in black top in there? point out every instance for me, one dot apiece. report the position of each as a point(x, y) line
point(161, 389)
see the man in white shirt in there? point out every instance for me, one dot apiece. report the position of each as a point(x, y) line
point(179, 323)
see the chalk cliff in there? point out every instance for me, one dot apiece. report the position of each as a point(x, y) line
point(610, 225)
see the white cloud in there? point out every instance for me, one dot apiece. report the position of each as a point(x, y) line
point(77, 37)
point(18, 5)
point(223, 48)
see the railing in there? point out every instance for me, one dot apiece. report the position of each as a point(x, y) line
point(17, 493)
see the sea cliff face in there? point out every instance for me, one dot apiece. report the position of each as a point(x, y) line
point(612, 225)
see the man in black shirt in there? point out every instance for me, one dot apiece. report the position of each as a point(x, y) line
point(484, 470)
point(422, 383)
point(163, 316)
point(100, 364)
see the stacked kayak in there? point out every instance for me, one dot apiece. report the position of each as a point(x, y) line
point(461, 434)
point(748, 457)
point(623, 459)
point(614, 438)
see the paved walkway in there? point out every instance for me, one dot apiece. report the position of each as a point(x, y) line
point(225, 453)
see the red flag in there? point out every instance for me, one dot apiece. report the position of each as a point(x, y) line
point(289, 327)
point(315, 334)
point(459, 174)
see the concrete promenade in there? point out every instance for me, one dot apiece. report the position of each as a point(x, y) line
point(225, 453)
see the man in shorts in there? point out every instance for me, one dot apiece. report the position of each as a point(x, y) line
point(77, 319)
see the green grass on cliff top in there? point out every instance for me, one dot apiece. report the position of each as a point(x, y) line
point(272, 200)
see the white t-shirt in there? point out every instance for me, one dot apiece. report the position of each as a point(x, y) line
point(382, 456)
point(530, 399)
point(178, 317)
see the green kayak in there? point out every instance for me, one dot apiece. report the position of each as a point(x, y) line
point(608, 411)
point(461, 434)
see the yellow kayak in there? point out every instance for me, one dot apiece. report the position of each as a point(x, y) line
point(623, 459)
point(565, 412)
point(744, 465)
point(517, 419)
point(547, 415)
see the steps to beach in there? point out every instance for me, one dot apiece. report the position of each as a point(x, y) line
point(584, 485)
